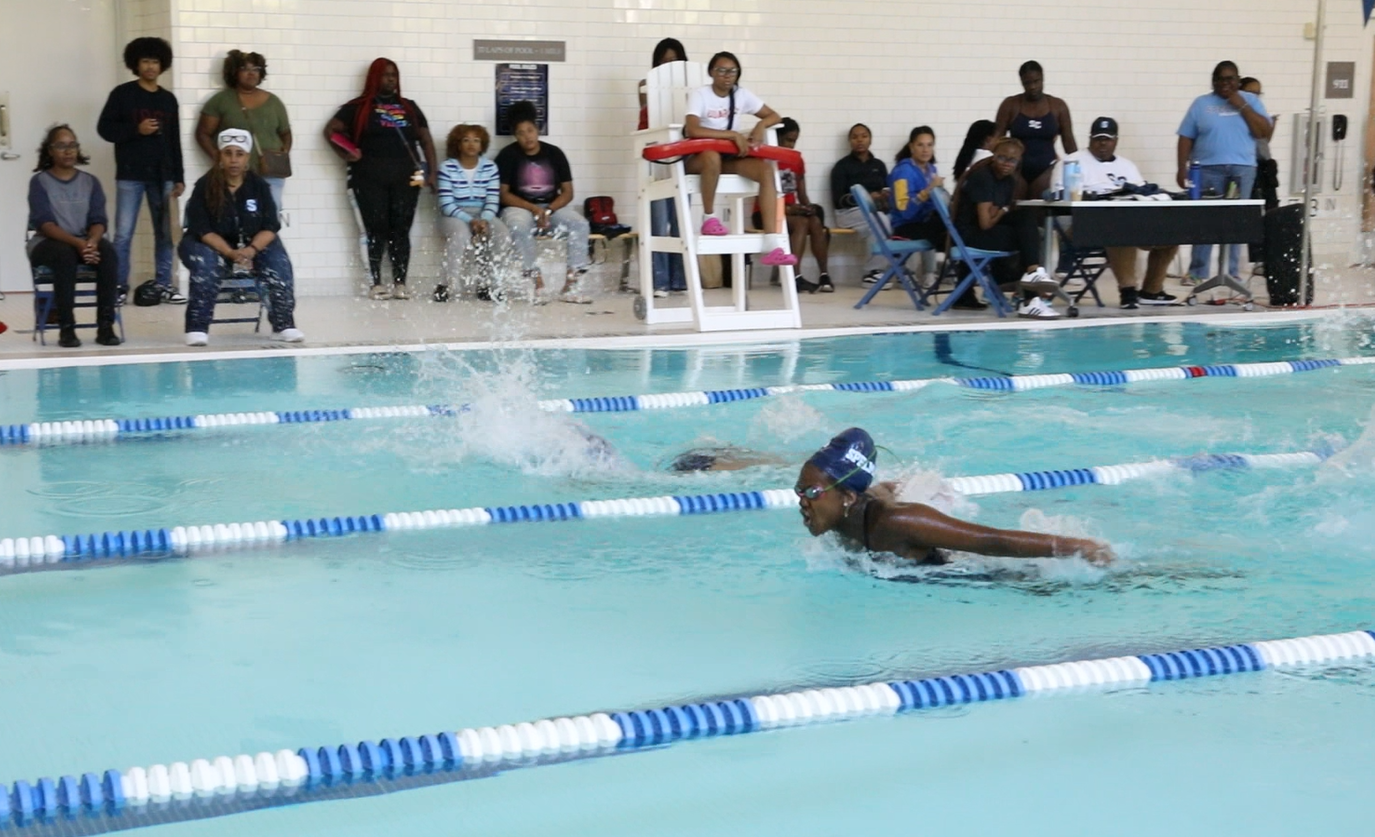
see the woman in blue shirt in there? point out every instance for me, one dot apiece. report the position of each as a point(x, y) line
point(913, 215)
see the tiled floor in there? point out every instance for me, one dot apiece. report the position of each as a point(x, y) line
point(342, 321)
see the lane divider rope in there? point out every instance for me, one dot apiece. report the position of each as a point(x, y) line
point(114, 800)
point(45, 551)
point(79, 430)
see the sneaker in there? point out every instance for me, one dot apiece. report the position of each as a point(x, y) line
point(713, 226)
point(379, 292)
point(1188, 280)
point(121, 297)
point(197, 338)
point(777, 258)
point(172, 296)
point(1038, 309)
point(105, 336)
point(969, 302)
point(398, 291)
point(1129, 298)
point(441, 293)
point(804, 286)
point(1038, 281)
point(1157, 298)
point(824, 284)
point(68, 339)
point(660, 294)
point(289, 335)
point(872, 277)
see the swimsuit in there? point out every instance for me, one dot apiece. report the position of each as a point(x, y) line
point(1038, 134)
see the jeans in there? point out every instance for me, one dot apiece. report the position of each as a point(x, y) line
point(128, 195)
point(63, 259)
point(564, 223)
point(1216, 178)
point(471, 265)
point(668, 267)
point(277, 185)
point(271, 267)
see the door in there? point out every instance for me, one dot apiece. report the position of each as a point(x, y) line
point(58, 62)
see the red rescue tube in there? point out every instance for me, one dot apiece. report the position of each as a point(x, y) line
point(683, 148)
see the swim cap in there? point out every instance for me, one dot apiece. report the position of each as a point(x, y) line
point(848, 459)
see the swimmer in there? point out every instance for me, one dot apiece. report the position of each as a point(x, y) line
point(836, 493)
point(721, 458)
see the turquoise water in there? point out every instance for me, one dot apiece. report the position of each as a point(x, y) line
point(405, 633)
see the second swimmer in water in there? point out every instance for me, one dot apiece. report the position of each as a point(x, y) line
point(836, 492)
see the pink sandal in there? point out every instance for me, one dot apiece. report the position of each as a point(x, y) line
point(713, 226)
point(777, 258)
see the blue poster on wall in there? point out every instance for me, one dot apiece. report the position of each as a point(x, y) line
point(522, 83)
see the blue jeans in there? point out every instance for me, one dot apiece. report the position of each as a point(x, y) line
point(1216, 178)
point(128, 195)
point(668, 267)
point(276, 185)
point(272, 269)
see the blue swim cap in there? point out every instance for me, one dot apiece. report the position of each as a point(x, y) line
point(848, 459)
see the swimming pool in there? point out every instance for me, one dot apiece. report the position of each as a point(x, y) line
point(318, 642)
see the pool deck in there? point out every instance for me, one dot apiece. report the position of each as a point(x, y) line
point(333, 324)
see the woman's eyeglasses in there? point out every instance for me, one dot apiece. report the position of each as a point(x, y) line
point(66, 146)
point(726, 71)
point(1011, 161)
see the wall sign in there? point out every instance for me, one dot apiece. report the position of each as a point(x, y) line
point(518, 50)
point(522, 83)
point(1341, 80)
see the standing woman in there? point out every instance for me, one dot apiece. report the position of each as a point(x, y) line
point(863, 168)
point(663, 215)
point(231, 229)
point(711, 113)
point(380, 130)
point(244, 105)
point(1036, 119)
point(67, 215)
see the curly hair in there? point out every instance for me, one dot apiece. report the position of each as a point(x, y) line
point(140, 48)
point(237, 60)
point(522, 112)
point(45, 156)
point(453, 146)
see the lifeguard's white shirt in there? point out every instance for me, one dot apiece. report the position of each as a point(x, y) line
point(1100, 178)
point(714, 111)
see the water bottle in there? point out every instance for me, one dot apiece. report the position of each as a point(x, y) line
point(1074, 180)
point(1195, 181)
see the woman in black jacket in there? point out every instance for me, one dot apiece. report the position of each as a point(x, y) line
point(231, 229)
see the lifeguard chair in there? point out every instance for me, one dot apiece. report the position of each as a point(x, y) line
point(667, 87)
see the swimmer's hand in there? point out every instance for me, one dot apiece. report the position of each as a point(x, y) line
point(1098, 553)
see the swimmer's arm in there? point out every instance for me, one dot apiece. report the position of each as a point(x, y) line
point(927, 527)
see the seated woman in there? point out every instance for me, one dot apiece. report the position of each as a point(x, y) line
point(67, 215)
point(986, 217)
point(805, 219)
point(536, 190)
point(469, 198)
point(912, 214)
point(978, 145)
point(711, 113)
point(862, 168)
point(1036, 119)
point(231, 231)
point(835, 492)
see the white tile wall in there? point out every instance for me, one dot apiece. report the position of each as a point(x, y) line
point(828, 63)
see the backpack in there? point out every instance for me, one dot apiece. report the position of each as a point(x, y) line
point(601, 215)
point(148, 294)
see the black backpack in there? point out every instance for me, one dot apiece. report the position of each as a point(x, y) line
point(148, 294)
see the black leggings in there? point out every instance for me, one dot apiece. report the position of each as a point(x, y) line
point(63, 259)
point(1017, 232)
point(388, 208)
point(931, 230)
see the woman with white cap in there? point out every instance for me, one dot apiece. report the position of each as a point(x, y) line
point(231, 227)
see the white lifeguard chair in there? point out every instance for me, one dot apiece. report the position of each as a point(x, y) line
point(667, 87)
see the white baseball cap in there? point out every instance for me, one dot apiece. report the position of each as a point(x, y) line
point(237, 138)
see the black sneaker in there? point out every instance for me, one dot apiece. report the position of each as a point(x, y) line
point(872, 277)
point(441, 293)
point(171, 296)
point(824, 284)
point(68, 338)
point(1157, 298)
point(969, 302)
point(105, 336)
point(804, 286)
point(1129, 298)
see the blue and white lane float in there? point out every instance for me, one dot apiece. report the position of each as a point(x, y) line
point(80, 430)
point(113, 800)
point(45, 551)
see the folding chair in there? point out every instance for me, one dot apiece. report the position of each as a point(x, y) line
point(44, 298)
point(240, 289)
point(977, 260)
point(1086, 263)
point(895, 251)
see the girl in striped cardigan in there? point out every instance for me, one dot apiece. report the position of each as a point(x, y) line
point(477, 243)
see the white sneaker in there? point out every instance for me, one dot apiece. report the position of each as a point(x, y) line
point(289, 335)
point(1038, 277)
point(658, 294)
point(197, 338)
point(1038, 309)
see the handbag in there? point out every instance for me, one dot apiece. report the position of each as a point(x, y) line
point(270, 163)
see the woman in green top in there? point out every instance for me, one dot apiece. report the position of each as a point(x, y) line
point(246, 106)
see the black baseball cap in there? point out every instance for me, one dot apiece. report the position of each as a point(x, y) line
point(1104, 126)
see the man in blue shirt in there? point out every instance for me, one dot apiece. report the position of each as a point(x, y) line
point(1220, 132)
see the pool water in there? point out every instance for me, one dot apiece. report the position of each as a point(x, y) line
point(404, 633)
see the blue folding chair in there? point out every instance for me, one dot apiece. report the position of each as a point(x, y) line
point(241, 290)
point(895, 251)
point(1086, 263)
point(44, 298)
point(977, 261)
